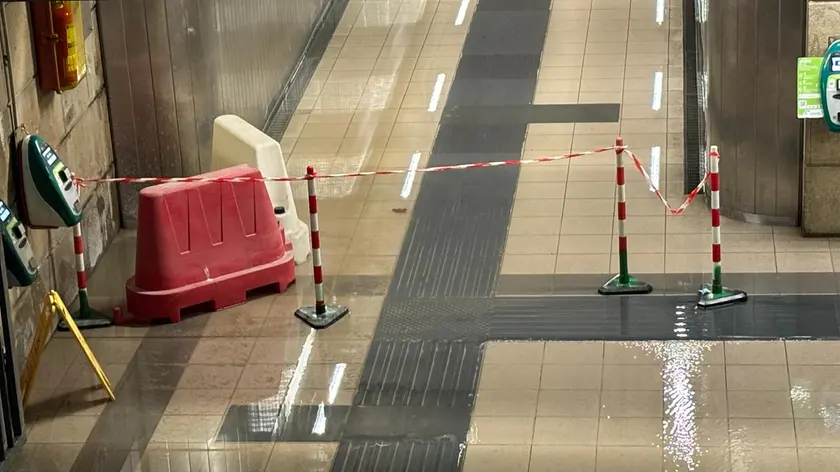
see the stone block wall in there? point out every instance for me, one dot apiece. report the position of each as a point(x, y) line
point(76, 123)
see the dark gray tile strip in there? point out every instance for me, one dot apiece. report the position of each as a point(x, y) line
point(672, 284)
point(444, 454)
point(454, 242)
point(420, 374)
point(577, 113)
point(268, 421)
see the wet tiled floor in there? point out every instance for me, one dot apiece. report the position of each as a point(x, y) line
point(443, 271)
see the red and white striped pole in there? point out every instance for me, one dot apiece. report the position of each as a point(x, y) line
point(715, 294)
point(623, 283)
point(317, 271)
point(86, 317)
point(321, 315)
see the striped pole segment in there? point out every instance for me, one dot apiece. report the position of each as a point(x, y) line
point(623, 271)
point(318, 273)
point(715, 294)
point(81, 275)
point(714, 190)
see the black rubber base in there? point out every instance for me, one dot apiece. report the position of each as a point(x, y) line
point(334, 313)
point(94, 321)
point(728, 296)
point(633, 286)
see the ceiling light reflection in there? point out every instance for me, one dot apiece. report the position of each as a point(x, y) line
point(436, 91)
point(462, 13)
point(658, 78)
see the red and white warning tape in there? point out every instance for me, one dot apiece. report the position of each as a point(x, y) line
point(159, 180)
point(672, 210)
point(636, 162)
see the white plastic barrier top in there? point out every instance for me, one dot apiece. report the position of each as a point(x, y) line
point(236, 142)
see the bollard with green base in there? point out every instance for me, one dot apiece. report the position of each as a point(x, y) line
point(86, 317)
point(623, 283)
point(715, 294)
point(50, 199)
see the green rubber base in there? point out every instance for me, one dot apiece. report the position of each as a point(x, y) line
point(727, 296)
point(633, 286)
point(334, 313)
point(93, 320)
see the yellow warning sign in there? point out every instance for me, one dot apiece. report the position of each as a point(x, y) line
point(54, 304)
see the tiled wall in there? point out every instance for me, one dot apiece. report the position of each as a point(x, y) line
point(76, 123)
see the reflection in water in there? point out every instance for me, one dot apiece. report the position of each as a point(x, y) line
point(681, 362)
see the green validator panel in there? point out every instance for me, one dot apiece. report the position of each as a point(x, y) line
point(50, 196)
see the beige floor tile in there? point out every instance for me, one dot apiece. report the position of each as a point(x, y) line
point(64, 429)
point(199, 402)
point(528, 264)
point(798, 244)
point(630, 353)
point(525, 226)
point(585, 244)
point(503, 377)
point(762, 432)
point(755, 353)
point(517, 402)
point(751, 404)
point(815, 433)
point(709, 403)
point(632, 377)
point(597, 190)
point(531, 208)
point(755, 262)
point(210, 377)
point(803, 262)
point(815, 404)
point(488, 430)
point(643, 225)
point(222, 351)
point(514, 353)
point(555, 431)
point(598, 225)
point(571, 377)
point(819, 460)
point(568, 403)
point(44, 458)
point(706, 459)
point(189, 431)
point(574, 353)
point(628, 459)
point(588, 207)
point(754, 377)
point(815, 377)
point(571, 458)
point(629, 432)
point(688, 263)
point(781, 459)
point(813, 352)
point(631, 404)
point(482, 458)
point(582, 264)
point(531, 245)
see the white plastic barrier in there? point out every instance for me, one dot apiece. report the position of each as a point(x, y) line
point(236, 142)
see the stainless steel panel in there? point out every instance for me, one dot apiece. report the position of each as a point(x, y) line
point(174, 65)
point(750, 49)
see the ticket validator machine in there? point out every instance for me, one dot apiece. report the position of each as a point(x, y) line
point(20, 260)
point(830, 87)
point(49, 196)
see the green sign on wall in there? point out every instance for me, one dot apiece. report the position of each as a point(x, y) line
point(808, 87)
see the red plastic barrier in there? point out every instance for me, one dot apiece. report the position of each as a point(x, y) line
point(206, 242)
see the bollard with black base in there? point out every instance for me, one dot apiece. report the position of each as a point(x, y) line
point(715, 294)
point(623, 283)
point(321, 315)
